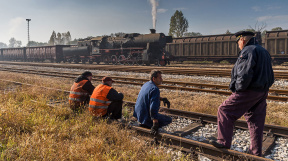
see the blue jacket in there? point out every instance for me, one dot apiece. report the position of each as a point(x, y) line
point(147, 104)
point(253, 69)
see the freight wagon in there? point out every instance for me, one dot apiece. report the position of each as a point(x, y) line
point(209, 47)
point(276, 42)
point(37, 54)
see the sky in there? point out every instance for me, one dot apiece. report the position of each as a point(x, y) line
point(83, 18)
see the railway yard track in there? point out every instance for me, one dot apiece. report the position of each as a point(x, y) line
point(279, 73)
point(190, 132)
point(274, 94)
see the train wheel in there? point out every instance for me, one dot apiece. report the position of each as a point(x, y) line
point(114, 59)
point(90, 61)
point(122, 60)
point(130, 62)
point(140, 62)
point(76, 61)
point(156, 63)
point(162, 63)
point(106, 60)
point(83, 61)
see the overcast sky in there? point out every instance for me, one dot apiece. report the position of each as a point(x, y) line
point(98, 17)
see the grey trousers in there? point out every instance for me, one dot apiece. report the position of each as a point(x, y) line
point(252, 105)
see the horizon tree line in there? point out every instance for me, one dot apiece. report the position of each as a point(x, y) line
point(178, 28)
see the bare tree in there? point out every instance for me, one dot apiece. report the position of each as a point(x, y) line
point(258, 27)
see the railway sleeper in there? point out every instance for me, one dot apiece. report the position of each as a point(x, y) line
point(268, 143)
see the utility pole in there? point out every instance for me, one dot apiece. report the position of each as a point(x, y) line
point(28, 32)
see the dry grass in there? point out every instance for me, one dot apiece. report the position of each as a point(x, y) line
point(35, 131)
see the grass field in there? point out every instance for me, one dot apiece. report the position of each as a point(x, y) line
point(34, 131)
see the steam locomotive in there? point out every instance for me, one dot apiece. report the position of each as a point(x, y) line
point(130, 49)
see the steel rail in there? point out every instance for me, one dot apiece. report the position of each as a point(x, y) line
point(192, 146)
point(225, 91)
point(199, 148)
point(147, 69)
point(277, 130)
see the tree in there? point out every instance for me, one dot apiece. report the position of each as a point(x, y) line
point(277, 29)
point(189, 34)
point(117, 34)
point(3, 45)
point(67, 38)
point(178, 24)
point(73, 42)
point(60, 38)
point(228, 32)
point(257, 27)
point(34, 43)
point(263, 34)
point(13, 43)
point(52, 38)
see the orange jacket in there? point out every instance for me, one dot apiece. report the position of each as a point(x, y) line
point(77, 94)
point(98, 101)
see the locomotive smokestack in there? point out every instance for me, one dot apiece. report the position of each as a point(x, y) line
point(153, 31)
point(154, 5)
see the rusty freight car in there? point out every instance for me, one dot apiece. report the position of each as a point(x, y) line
point(276, 42)
point(209, 47)
point(38, 53)
point(13, 54)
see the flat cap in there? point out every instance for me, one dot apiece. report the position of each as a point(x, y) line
point(243, 33)
point(106, 79)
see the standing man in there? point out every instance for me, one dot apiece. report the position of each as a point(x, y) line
point(80, 91)
point(106, 101)
point(148, 104)
point(251, 78)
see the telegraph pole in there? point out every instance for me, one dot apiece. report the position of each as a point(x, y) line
point(28, 32)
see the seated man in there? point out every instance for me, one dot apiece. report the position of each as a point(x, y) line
point(106, 101)
point(148, 104)
point(80, 91)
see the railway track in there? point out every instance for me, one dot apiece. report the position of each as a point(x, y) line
point(178, 138)
point(146, 69)
point(229, 67)
point(275, 94)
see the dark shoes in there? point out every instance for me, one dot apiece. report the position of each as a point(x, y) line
point(216, 144)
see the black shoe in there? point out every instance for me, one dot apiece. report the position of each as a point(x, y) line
point(216, 144)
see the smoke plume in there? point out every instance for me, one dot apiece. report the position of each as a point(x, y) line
point(154, 5)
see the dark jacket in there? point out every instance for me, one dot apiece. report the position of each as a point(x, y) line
point(113, 95)
point(147, 104)
point(87, 86)
point(253, 69)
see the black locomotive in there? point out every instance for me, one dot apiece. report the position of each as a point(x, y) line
point(130, 49)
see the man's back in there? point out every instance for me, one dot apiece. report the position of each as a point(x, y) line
point(147, 104)
point(253, 69)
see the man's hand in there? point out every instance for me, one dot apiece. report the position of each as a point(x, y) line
point(166, 102)
point(154, 128)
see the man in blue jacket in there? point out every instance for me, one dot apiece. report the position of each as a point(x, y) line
point(251, 78)
point(148, 104)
